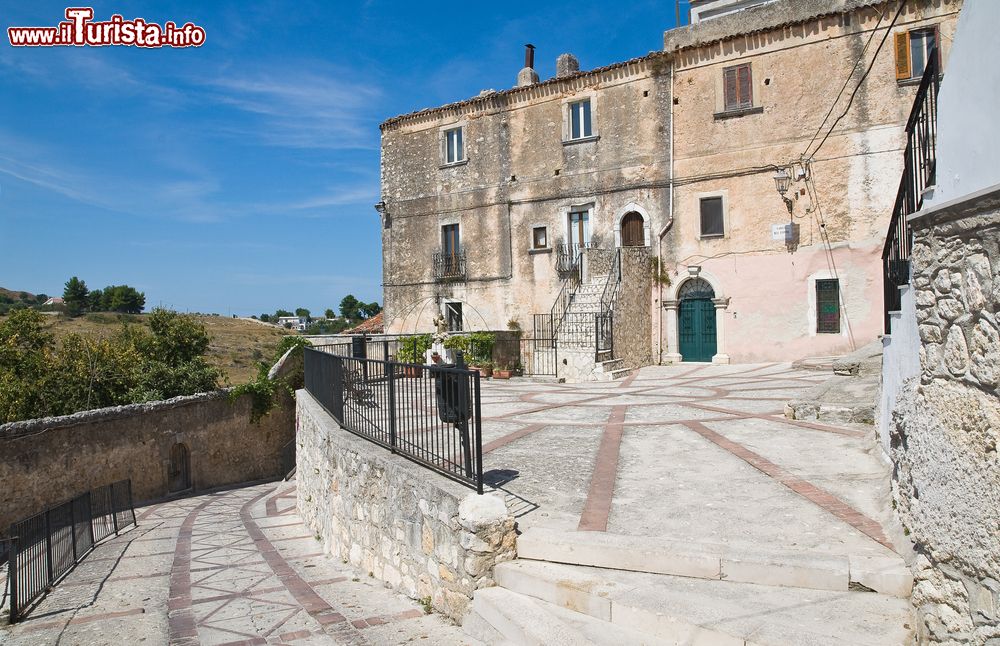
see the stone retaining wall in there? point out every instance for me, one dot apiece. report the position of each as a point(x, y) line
point(633, 319)
point(420, 533)
point(46, 461)
point(946, 427)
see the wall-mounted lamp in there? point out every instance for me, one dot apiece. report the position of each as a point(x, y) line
point(384, 214)
point(782, 180)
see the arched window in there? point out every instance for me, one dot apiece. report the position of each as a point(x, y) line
point(695, 288)
point(633, 230)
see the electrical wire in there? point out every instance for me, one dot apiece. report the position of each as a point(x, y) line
point(861, 81)
point(854, 69)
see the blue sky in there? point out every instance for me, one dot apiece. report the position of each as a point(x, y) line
point(239, 177)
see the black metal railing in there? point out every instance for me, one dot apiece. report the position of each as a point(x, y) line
point(919, 172)
point(569, 256)
point(449, 265)
point(46, 546)
point(428, 414)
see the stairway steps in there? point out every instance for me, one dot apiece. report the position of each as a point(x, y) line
point(698, 611)
point(885, 574)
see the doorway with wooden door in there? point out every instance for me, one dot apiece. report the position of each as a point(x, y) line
point(633, 233)
point(696, 321)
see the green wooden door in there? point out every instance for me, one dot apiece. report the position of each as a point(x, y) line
point(697, 329)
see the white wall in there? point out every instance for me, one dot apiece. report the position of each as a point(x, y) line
point(900, 363)
point(968, 133)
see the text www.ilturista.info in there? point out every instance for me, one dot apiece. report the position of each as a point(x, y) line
point(80, 30)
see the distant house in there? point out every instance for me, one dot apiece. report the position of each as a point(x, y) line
point(294, 322)
point(55, 300)
point(373, 325)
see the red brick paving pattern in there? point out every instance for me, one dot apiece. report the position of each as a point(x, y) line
point(597, 508)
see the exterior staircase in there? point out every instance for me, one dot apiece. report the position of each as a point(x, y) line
point(577, 332)
point(597, 588)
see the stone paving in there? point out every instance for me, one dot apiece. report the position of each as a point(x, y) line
point(233, 567)
point(693, 452)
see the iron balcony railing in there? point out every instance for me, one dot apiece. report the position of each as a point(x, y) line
point(449, 265)
point(47, 545)
point(570, 255)
point(919, 172)
point(429, 414)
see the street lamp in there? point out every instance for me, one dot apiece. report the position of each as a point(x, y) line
point(782, 180)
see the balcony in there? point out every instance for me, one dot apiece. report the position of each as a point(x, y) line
point(449, 265)
point(568, 256)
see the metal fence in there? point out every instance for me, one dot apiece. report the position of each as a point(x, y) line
point(919, 172)
point(47, 545)
point(428, 414)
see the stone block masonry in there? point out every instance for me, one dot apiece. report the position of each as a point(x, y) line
point(946, 427)
point(46, 461)
point(422, 534)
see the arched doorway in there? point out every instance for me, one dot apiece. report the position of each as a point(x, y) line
point(633, 230)
point(180, 468)
point(696, 321)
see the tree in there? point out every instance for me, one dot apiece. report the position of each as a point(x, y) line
point(266, 318)
point(41, 298)
point(349, 308)
point(330, 314)
point(279, 314)
point(75, 296)
point(370, 309)
point(122, 298)
point(301, 311)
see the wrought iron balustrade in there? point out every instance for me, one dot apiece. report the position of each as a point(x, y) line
point(449, 265)
point(919, 172)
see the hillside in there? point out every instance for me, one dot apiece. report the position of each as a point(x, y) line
point(236, 344)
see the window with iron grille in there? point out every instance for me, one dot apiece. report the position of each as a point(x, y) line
point(712, 220)
point(737, 87)
point(828, 306)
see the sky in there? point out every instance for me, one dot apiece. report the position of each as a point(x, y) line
point(239, 177)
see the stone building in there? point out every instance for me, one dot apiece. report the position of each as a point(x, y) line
point(510, 204)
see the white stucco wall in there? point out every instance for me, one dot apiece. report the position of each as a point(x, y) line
point(968, 153)
point(900, 363)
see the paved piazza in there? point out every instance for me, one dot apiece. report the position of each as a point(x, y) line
point(691, 452)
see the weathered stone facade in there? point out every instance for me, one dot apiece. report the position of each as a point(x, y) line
point(947, 426)
point(521, 171)
point(417, 531)
point(800, 52)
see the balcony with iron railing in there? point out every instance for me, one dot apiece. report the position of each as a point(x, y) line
point(449, 265)
point(569, 256)
point(919, 173)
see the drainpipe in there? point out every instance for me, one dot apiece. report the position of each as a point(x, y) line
point(666, 227)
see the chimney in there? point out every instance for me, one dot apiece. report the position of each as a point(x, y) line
point(566, 65)
point(528, 75)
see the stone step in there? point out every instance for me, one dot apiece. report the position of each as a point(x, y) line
point(621, 373)
point(516, 619)
point(885, 574)
point(610, 365)
point(698, 611)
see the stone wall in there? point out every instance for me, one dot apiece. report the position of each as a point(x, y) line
point(947, 425)
point(632, 316)
point(46, 461)
point(422, 534)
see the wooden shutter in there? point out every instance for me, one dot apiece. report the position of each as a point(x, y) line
point(746, 86)
point(731, 88)
point(903, 55)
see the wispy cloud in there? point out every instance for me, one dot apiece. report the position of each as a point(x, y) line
point(298, 109)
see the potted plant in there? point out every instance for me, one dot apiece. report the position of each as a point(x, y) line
point(412, 350)
point(502, 372)
point(486, 368)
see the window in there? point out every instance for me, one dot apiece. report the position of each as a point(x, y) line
point(712, 224)
point(579, 229)
point(539, 238)
point(914, 50)
point(737, 87)
point(453, 312)
point(580, 123)
point(450, 240)
point(828, 306)
point(454, 147)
